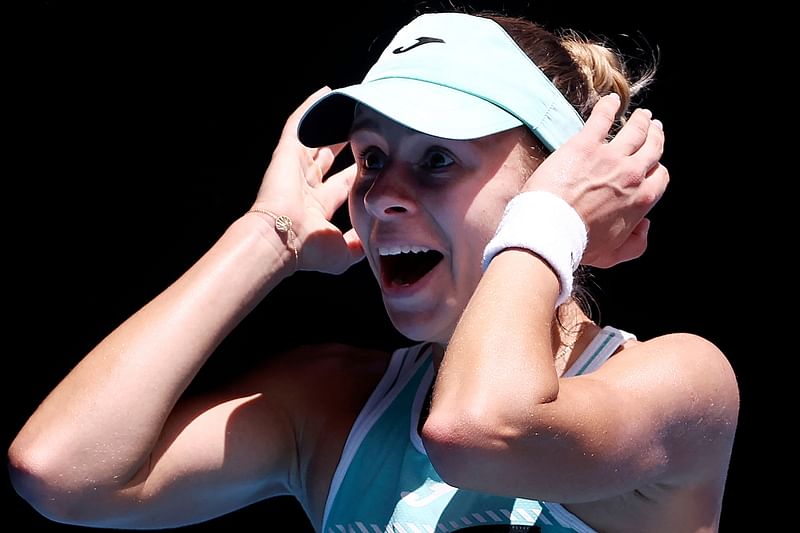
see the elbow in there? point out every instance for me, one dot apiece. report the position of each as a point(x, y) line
point(459, 445)
point(464, 439)
point(31, 482)
point(444, 453)
point(40, 484)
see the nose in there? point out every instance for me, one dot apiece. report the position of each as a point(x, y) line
point(390, 195)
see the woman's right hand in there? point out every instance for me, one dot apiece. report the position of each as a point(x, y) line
point(294, 185)
point(117, 443)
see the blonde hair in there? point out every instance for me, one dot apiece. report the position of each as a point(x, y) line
point(605, 71)
point(581, 68)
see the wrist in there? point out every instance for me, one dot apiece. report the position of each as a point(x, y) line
point(273, 247)
point(546, 225)
point(283, 226)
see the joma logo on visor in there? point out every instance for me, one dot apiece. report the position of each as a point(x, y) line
point(420, 42)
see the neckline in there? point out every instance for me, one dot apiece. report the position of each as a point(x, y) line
point(421, 398)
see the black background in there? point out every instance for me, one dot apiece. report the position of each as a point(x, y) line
point(137, 132)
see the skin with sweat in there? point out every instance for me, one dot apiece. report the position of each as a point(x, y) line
point(621, 447)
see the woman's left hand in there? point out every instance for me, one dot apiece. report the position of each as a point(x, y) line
point(611, 184)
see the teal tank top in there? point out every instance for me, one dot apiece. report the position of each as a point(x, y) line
point(384, 482)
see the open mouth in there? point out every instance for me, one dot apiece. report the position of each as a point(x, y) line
point(402, 266)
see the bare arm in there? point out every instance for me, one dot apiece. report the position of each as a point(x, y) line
point(503, 421)
point(97, 429)
point(110, 437)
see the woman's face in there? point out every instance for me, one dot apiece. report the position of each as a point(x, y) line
point(424, 208)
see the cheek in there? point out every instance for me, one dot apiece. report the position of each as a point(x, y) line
point(480, 221)
point(478, 228)
point(470, 229)
point(484, 214)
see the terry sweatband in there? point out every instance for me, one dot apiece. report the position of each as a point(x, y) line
point(546, 225)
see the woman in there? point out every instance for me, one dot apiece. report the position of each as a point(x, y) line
point(477, 192)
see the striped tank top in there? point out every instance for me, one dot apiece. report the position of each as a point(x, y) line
point(384, 482)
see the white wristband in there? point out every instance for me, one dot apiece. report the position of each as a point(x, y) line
point(549, 227)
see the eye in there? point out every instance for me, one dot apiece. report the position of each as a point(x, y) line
point(437, 159)
point(371, 159)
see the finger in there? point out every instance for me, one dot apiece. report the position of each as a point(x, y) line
point(636, 243)
point(641, 230)
point(353, 253)
point(354, 246)
point(326, 155)
point(649, 154)
point(633, 247)
point(653, 187)
point(310, 167)
point(290, 128)
point(334, 191)
point(602, 118)
point(318, 161)
point(634, 133)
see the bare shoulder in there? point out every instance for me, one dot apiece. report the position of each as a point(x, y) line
point(672, 403)
point(310, 385)
point(692, 391)
point(683, 356)
point(332, 370)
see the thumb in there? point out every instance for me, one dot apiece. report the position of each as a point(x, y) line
point(602, 117)
point(354, 246)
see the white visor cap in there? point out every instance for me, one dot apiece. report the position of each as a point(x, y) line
point(449, 75)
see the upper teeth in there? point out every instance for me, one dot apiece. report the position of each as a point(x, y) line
point(394, 250)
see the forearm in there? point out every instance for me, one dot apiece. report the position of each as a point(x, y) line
point(499, 363)
point(99, 425)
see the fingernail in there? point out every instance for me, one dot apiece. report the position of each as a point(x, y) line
point(647, 112)
point(658, 124)
point(613, 95)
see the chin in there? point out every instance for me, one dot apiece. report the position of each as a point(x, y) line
point(416, 327)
